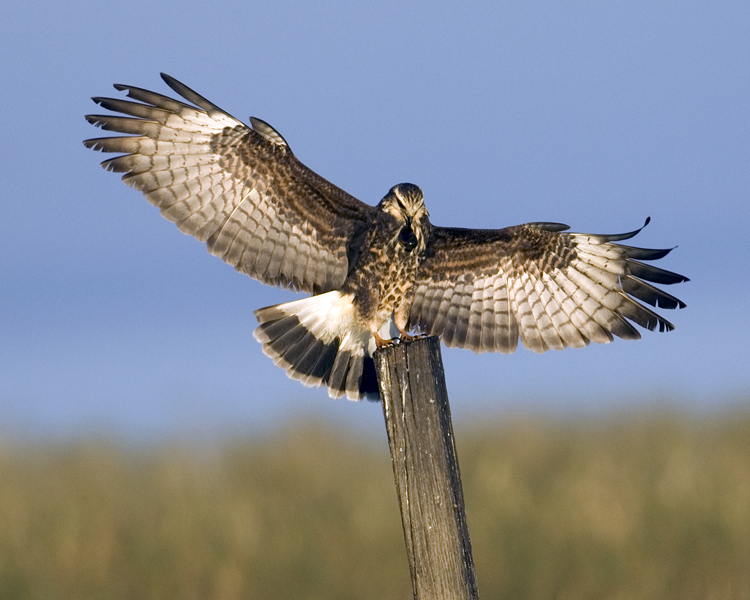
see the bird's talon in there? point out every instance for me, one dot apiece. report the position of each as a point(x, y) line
point(405, 337)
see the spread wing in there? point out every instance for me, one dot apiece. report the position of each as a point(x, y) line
point(239, 189)
point(482, 289)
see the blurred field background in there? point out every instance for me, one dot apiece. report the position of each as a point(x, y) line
point(654, 505)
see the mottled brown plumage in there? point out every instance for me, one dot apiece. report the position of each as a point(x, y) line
point(375, 271)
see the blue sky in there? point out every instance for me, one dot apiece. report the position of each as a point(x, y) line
point(593, 114)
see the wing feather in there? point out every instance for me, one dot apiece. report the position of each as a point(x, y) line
point(485, 289)
point(239, 189)
point(549, 313)
point(506, 325)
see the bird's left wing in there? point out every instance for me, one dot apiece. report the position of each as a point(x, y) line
point(239, 189)
point(483, 289)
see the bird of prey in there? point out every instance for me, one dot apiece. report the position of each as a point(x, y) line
point(373, 271)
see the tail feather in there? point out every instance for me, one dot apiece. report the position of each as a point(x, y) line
point(321, 366)
point(318, 341)
point(336, 379)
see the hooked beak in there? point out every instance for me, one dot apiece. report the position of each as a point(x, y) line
point(406, 237)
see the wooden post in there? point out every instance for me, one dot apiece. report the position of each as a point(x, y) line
point(425, 466)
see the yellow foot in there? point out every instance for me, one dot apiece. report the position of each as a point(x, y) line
point(380, 342)
point(404, 337)
point(407, 337)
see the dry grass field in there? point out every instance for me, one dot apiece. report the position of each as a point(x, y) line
point(655, 506)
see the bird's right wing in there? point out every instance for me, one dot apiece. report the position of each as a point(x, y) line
point(239, 189)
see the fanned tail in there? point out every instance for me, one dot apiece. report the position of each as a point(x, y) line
point(318, 341)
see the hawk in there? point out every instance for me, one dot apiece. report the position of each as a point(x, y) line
point(373, 271)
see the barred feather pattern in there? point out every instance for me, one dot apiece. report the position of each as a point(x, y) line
point(485, 290)
point(239, 189)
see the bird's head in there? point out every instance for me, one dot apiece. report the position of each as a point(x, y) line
point(405, 203)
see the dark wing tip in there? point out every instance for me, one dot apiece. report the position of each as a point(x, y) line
point(97, 120)
point(617, 237)
point(169, 80)
point(191, 95)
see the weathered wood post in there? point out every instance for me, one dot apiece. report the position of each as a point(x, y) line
point(425, 466)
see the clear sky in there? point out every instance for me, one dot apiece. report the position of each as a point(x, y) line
point(595, 114)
